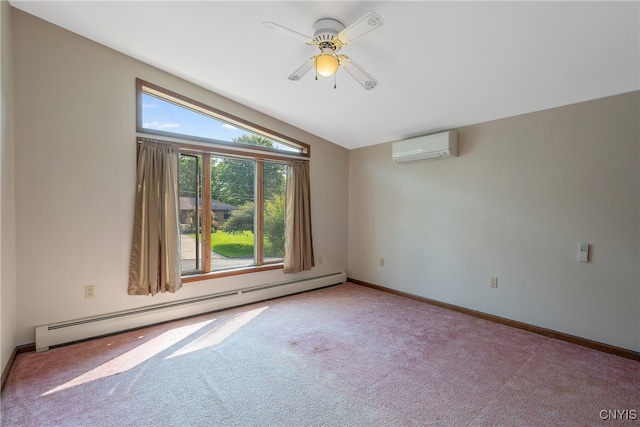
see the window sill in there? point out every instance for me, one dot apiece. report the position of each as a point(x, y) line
point(228, 273)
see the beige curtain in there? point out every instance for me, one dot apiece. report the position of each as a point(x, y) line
point(155, 249)
point(298, 247)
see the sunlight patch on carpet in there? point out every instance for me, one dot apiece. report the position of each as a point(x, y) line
point(134, 357)
point(220, 333)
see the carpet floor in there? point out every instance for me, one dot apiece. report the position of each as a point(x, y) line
point(346, 355)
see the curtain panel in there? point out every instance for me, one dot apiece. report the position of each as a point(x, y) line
point(298, 252)
point(154, 265)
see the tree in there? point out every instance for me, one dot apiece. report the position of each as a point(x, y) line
point(274, 178)
point(253, 140)
point(274, 218)
point(232, 180)
point(187, 180)
point(241, 220)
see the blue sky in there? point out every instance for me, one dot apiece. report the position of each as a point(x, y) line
point(165, 116)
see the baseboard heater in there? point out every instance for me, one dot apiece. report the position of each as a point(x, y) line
point(91, 327)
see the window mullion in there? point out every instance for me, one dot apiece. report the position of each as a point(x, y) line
point(206, 212)
point(259, 213)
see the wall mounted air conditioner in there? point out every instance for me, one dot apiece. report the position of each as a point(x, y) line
point(429, 147)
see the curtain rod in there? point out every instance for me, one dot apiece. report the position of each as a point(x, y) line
point(237, 152)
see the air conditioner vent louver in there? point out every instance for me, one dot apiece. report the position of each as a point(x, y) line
point(429, 147)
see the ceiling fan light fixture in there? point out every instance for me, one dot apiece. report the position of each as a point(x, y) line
point(327, 64)
point(330, 36)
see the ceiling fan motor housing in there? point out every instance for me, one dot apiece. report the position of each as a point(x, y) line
point(325, 30)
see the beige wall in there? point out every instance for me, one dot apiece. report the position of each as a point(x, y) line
point(524, 193)
point(7, 195)
point(75, 178)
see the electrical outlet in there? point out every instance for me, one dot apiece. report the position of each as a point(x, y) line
point(494, 282)
point(90, 291)
point(381, 262)
point(320, 259)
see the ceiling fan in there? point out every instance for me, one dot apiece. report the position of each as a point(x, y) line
point(329, 36)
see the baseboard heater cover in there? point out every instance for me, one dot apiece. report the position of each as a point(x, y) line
point(75, 330)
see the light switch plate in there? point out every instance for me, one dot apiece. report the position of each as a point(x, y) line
point(583, 254)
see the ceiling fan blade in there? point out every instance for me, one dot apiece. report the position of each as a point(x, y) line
point(287, 32)
point(297, 74)
point(362, 26)
point(356, 71)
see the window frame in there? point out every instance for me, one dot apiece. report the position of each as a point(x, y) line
point(208, 148)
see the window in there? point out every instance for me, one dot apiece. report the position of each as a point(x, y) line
point(161, 112)
point(233, 221)
point(232, 183)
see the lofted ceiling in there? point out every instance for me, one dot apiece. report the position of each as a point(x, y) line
point(439, 65)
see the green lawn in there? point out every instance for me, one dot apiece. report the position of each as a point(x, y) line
point(235, 245)
point(232, 245)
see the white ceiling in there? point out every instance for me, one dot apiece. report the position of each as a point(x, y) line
point(439, 65)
